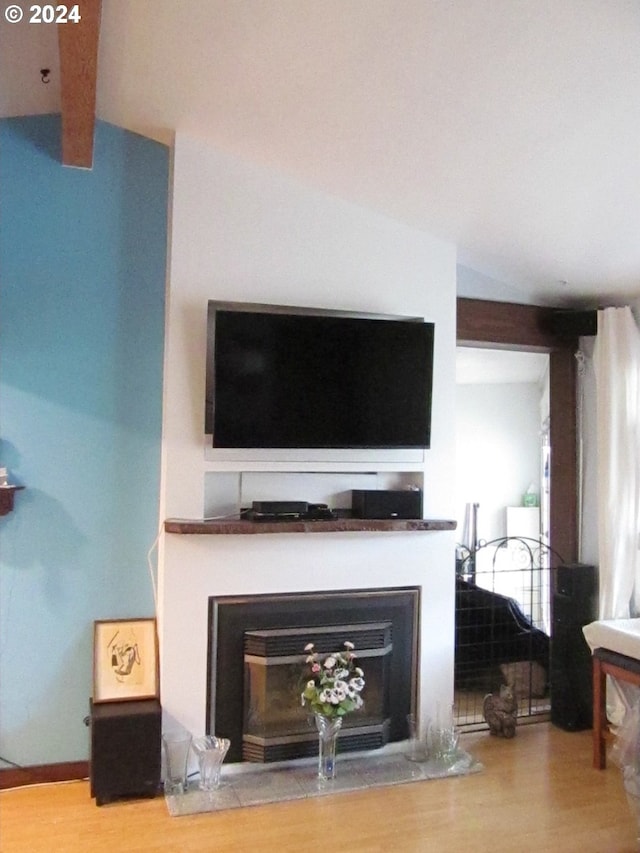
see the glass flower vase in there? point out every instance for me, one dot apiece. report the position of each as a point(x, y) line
point(328, 731)
point(211, 751)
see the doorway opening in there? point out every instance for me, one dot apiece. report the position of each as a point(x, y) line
point(503, 571)
point(528, 328)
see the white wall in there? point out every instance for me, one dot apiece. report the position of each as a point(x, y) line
point(242, 233)
point(497, 450)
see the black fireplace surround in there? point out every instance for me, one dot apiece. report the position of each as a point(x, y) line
point(231, 616)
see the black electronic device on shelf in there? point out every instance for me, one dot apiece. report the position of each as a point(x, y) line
point(269, 511)
point(279, 507)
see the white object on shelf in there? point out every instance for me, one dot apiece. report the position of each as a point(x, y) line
point(523, 521)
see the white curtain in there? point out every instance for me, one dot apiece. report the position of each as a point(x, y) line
point(617, 373)
point(616, 359)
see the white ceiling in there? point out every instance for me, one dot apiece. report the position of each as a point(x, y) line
point(509, 127)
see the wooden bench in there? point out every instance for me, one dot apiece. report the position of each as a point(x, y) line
point(621, 667)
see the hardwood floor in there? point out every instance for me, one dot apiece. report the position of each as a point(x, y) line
point(537, 792)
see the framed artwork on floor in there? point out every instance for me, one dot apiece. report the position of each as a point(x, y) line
point(125, 660)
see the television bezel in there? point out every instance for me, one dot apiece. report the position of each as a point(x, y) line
point(214, 305)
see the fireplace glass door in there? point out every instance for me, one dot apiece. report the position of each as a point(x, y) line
point(276, 726)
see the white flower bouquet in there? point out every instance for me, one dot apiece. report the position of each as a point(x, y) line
point(335, 683)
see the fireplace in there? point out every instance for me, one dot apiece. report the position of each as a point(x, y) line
point(276, 726)
point(256, 656)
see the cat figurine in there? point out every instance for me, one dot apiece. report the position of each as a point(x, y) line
point(501, 711)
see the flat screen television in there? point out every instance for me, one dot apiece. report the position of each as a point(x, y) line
point(282, 377)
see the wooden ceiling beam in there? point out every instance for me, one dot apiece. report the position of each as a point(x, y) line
point(78, 47)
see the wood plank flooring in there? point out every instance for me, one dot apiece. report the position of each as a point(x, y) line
point(538, 792)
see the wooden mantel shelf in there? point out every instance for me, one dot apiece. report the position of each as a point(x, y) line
point(336, 525)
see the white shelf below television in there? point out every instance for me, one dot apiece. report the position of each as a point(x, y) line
point(211, 467)
point(227, 491)
point(356, 460)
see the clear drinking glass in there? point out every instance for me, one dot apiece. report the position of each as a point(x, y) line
point(444, 737)
point(176, 746)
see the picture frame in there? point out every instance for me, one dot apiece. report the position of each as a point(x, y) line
point(125, 660)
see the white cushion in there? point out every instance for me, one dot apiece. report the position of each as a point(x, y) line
point(617, 635)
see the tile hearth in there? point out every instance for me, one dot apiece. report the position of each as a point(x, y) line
point(298, 780)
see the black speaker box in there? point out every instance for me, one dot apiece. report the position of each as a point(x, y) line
point(567, 323)
point(383, 503)
point(577, 582)
point(125, 749)
point(575, 604)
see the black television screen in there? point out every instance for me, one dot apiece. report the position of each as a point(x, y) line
point(298, 378)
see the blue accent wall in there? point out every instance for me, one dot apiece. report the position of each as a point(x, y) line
point(82, 301)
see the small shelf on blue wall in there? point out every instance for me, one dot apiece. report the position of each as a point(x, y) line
point(7, 494)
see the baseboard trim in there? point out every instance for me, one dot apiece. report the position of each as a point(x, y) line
point(37, 774)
